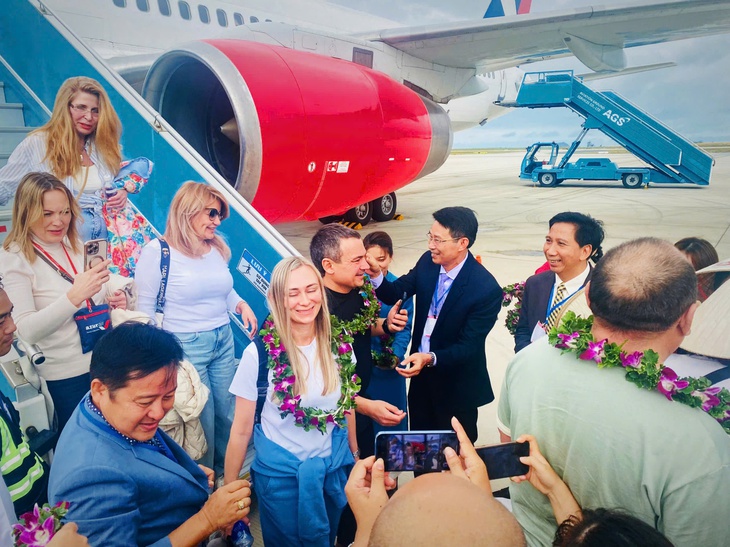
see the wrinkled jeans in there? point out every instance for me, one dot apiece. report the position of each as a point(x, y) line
point(211, 352)
point(93, 225)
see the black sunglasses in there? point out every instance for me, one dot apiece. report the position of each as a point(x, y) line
point(214, 213)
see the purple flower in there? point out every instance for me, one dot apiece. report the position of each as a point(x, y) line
point(279, 370)
point(36, 536)
point(275, 352)
point(268, 338)
point(708, 397)
point(298, 415)
point(669, 384)
point(366, 302)
point(314, 421)
point(354, 378)
point(330, 419)
point(594, 351)
point(289, 404)
point(567, 341)
point(632, 360)
point(344, 348)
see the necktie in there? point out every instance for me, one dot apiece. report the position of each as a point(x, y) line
point(559, 295)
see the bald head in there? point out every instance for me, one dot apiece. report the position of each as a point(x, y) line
point(642, 285)
point(441, 509)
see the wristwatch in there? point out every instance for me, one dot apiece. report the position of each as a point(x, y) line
point(431, 363)
point(356, 454)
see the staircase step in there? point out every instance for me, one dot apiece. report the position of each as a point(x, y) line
point(10, 137)
point(11, 114)
point(2, 92)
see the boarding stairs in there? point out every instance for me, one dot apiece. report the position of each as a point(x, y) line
point(37, 53)
point(672, 157)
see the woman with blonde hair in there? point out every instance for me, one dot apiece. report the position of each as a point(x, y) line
point(42, 265)
point(199, 295)
point(305, 437)
point(80, 146)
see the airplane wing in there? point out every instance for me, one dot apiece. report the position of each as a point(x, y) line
point(595, 35)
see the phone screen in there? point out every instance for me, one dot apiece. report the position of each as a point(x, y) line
point(415, 450)
point(503, 460)
point(94, 252)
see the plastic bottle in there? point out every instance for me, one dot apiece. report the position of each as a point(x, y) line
point(241, 535)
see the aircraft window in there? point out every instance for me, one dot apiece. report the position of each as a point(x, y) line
point(253, 19)
point(222, 17)
point(269, 21)
point(238, 19)
point(143, 5)
point(120, 3)
point(362, 57)
point(204, 14)
point(164, 6)
point(184, 8)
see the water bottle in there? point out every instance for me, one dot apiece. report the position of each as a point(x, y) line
point(109, 189)
point(241, 535)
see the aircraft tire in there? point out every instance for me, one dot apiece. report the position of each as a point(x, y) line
point(547, 179)
point(384, 208)
point(330, 219)
point(632, 180)
point(362, 213)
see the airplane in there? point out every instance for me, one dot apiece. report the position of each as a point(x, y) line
point(310, 109)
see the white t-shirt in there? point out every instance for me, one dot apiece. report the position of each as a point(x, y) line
point(199, 290)
point(283, 431)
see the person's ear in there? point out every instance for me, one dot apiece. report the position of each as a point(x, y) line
point(463, 243)
point(586, 251)
point(328, 266)
point(98, 389)
point(685, 321)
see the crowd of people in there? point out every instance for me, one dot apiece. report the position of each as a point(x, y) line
point(327, 370)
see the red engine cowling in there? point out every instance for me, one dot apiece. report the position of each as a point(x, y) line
point(299, 135)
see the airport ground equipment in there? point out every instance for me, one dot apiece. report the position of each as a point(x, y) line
point(670, 158)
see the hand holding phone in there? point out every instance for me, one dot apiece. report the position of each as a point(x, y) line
point(95, 252)
point(503, 460)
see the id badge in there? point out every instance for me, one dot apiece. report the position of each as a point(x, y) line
point(428, 327)
point(538, 332)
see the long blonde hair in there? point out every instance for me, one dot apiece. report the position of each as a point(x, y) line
point(278, 299)
point(190, 199)
point(28, 209)
point(62, 141)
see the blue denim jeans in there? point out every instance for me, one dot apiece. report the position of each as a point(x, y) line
point(211, 352)
point(93, 225)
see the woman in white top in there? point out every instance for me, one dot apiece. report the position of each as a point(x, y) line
point(305, 441)
point(44, 230)
point(197, 301)
point(80, 146)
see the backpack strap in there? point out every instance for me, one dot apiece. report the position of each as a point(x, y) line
point(164, 272)
point(262, 382)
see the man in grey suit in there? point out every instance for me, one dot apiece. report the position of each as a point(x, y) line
point(572, 240)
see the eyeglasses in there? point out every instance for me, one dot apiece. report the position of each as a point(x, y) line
point(214, 213)
point(437, 240)
point(83, 110)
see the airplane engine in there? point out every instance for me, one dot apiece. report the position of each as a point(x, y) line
point(299, 135)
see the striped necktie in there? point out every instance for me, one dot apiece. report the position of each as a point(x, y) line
point(559, 295)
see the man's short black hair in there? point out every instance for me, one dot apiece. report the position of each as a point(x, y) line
point(460, 221)
point(588, 230)
point(133, 350)
point(326, 244)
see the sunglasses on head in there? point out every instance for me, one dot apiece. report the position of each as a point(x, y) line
point(214, 213)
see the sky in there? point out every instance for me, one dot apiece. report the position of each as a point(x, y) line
point(690, 98)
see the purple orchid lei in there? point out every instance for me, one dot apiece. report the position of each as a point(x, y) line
point(367, 318)
point(37, 527)
point(510, 293)
point(284, 379)
point(642, 368)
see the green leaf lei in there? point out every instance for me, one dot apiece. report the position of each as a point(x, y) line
point(367, 318)
point(283, 380)
point(642, 368)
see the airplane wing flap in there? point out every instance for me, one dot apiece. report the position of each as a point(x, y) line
point(594, 34)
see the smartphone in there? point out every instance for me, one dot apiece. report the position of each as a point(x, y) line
point(503, 460)
point(421, 451)
point(95, 252)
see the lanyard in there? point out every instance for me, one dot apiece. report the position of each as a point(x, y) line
point(52, 261)
point(436, 302)
point(550, 308)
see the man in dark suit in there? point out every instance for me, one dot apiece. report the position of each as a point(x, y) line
point(572, 240)
point(457, 302)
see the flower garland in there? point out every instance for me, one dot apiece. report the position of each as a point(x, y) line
point(386, 358)
point(642, 368)
point(283, 381)
point(509, 293)
point(367, 318)
point(37, 527)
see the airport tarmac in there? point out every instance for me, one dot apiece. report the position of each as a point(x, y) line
point(513, 218)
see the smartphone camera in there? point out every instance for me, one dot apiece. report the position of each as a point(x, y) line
point(92, 248)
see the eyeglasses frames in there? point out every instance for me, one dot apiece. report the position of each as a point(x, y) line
point(83, 110)
point(437, 240)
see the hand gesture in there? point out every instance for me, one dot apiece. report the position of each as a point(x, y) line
point(118, 200)
point(541, 475)
point(68, 536)
point(248, 317)
point(228, 504)
point(382, 412)
point(397, 317)
point(467, 463)
point(374, 268)
point(117, 301)
point(366, 493)
point(414, 364)
point(88, 283)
